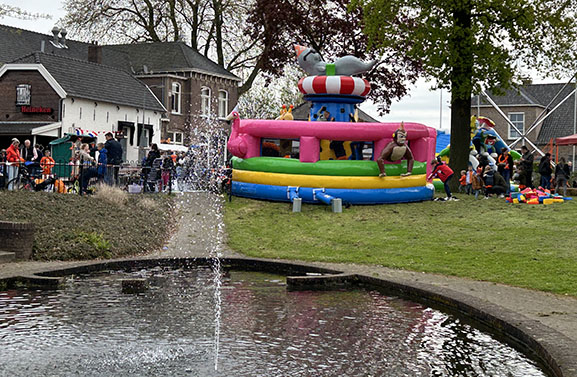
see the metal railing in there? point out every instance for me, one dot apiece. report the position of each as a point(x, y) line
point(80, 178)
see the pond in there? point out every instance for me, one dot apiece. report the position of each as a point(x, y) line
point(90, 328)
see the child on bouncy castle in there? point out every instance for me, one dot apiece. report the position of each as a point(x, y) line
point(444, 173)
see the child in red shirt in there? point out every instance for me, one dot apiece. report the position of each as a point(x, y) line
point(444, 173)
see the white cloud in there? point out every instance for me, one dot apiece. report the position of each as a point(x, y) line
point(421, 105)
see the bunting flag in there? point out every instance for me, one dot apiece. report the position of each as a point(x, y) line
point(84, 132)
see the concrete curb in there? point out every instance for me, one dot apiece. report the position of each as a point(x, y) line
point(555, 350)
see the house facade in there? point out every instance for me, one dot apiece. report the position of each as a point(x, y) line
point(46, 96)
point(542, 111)
point(195, 91)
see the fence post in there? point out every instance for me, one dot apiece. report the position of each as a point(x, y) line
point(80, 176)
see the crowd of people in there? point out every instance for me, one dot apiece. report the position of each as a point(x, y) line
point(494, 179)
point(200, 168)
point(35, 162)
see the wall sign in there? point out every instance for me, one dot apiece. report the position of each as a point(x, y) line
point(36, 110)
point(22, 94)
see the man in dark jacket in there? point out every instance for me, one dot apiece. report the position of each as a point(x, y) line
point(545, 170)
point(114, 149)
point(527, 166)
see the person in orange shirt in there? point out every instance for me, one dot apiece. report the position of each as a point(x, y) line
point(46, 163)
point(463, 181)
point(13, 160)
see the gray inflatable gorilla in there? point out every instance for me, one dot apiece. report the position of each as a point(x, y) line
point(311, 62)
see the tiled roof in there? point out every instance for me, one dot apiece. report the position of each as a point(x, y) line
point(16, 43)
point(157, 57)
point(160, 57)
point(560, 123)
point(96, 82)
point(19, 128)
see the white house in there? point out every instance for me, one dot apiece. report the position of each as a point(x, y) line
point(45, 96)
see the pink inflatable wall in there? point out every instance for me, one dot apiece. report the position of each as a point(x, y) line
point(246, 136)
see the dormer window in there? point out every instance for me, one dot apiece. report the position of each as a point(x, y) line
point(23, 95)
point(222, 104)
point(175, 98)
point(205, 101)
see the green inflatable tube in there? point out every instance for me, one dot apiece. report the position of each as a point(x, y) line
point(350, 168)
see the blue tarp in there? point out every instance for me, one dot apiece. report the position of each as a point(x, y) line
point(443, 140)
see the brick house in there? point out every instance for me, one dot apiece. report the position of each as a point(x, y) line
point(45, 96)
point(524, 106)
point(190, 86)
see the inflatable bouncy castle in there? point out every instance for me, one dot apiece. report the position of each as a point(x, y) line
point(314, 175)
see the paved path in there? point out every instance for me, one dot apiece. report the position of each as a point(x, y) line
point(201, 230)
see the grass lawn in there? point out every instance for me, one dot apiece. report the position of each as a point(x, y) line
point(109, 224)
point(532, 246)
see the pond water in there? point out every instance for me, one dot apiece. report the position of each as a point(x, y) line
point(90, 328)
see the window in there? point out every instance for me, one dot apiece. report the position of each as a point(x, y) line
point(222, 103)
point(205, 101)
point(144, 137)
point(518, 119)
point(175, 97)
point(23, 95)
point(175, 137)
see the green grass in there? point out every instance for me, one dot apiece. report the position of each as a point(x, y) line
point(522, 245)
point(109, 225)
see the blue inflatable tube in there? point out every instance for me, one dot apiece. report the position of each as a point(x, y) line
point(352, 196)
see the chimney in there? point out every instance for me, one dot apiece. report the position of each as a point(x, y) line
point(63, 34)
point(55, 32)
point(42, 45)
point(526, 81)
point(95, 53)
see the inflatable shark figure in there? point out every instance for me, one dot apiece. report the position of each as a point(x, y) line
point(311, 62)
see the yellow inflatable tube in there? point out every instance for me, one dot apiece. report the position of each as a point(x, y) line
point(327, 181)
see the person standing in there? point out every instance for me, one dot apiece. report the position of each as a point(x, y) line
point(545, 170)
point(527, 167)
point(114, 155)
point(87, 171)
point(102, 162)
point(505, 167)
point(562, 174)
point(46, 163)
point(13, 160)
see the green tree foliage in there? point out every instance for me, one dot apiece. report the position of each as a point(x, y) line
point(251, 38)
point(466, 45)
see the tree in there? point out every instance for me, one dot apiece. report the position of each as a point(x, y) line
point(253, 39)
point(16, 12)
point(466, 45)
point(333, 30)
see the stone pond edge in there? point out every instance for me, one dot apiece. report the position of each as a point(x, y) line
point(556, 351)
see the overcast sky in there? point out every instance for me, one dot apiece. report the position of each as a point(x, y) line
point(421, 104)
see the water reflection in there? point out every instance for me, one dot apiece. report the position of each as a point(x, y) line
point(92, 329)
